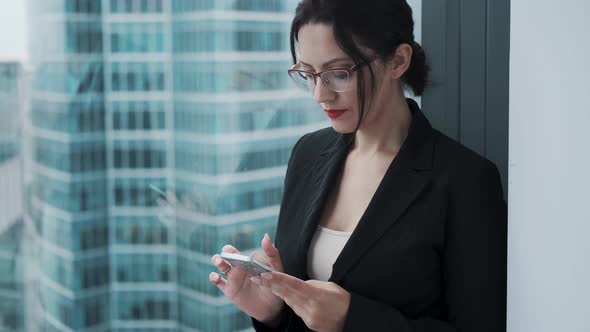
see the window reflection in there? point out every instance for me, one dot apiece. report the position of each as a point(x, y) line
point(158, 133)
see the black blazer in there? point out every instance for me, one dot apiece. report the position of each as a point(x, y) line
point(428, 254)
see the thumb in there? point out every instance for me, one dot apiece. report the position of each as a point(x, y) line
point(272, 253)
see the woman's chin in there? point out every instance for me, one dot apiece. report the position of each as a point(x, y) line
point(343, 128)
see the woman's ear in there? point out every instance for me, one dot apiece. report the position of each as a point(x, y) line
point(401, 60)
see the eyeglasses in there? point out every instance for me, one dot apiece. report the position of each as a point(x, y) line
point(335, 79)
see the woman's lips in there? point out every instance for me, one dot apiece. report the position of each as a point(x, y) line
point(333, 114)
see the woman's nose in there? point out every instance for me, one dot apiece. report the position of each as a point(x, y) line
point(321, 93)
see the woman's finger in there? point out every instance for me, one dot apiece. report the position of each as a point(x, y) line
point(272, 253)
point(224, 266)
point(218, 281)
point(221, 264)
point(230, 249)
point(257, 255)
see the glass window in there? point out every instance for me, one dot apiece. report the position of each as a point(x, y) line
point(147, 123)
point(118, 158)
point(117, 120)
point(128, 6)
point(131, 81)
point(161, 120)
point(114, 6)
point(131, 120)
point(133, 162)
point(219, 110)
point(115, 81)
point(119, 196)
point(115, 42)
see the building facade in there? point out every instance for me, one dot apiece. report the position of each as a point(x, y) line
point(67, 208)
point(161, 130)
point(10, 105)
point(11, 247)
point(11, 207)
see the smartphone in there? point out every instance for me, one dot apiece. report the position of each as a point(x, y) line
point(246, 263)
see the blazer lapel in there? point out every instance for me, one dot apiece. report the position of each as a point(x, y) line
point(406, 177)
point(401, 184)
point(384, 210)
point(322, 180)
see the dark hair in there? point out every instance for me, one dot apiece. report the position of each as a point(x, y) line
point(380, 25)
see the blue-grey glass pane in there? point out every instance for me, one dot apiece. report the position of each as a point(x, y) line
point(158, 133)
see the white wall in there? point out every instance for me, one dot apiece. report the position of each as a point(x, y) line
point(549, 167)
point(417, 14)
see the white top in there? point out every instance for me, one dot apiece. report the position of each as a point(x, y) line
point(325, 247)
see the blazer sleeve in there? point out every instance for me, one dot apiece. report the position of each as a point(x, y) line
point(473, 265)
point(286, 312)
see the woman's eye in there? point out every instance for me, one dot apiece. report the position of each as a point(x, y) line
point(337, 75)
point(303, 75)
point(341, 75)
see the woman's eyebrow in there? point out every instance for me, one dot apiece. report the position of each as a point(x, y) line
point(326, 64)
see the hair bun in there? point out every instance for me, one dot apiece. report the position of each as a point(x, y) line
point(416, 77)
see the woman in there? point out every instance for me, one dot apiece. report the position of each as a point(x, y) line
point(386, 224)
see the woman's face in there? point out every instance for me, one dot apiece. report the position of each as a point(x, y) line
point(319, 51)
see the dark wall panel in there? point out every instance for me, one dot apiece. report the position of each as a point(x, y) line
point(467, 42)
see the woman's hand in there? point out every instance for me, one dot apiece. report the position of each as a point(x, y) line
point(258, 302)
point(322, 305)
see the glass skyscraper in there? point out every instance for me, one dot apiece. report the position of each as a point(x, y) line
point(10, 108)
point(68, 209)
point(160, 130)
point(11, 251)
point(11, 207)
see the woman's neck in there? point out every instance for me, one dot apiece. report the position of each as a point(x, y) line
point(383, 133)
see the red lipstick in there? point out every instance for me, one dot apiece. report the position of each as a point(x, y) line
point(333, 114)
